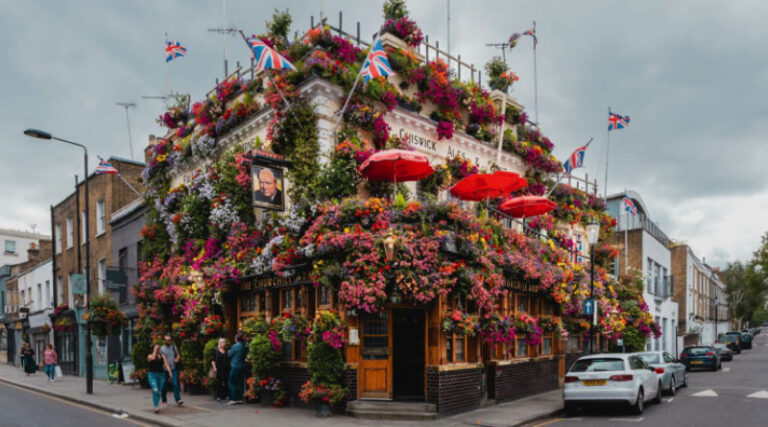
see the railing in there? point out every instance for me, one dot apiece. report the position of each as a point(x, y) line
point(640, 221)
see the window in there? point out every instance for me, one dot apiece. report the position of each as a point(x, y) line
point(23, 299)
point(522, 304)
point(521, 347)
point(47, 294)
point(39, 302)
point(122, 259)
point(287, 299)
point(102, 276)
point(324, 296)
point(649, 287)
point(60, 290)
point(574, 344)
point(138, 254)
point(70, 233)
point(83, 231)
point(57, 243)
point(460, 349)
point(599, 364)
point(101, 217)
point(10, 246)
point(546, 346)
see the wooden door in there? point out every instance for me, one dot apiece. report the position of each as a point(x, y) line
point(375, 368)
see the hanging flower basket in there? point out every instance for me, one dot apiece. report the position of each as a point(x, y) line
point(104, 316)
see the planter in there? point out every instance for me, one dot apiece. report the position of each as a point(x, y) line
point(323, 409)
point(144, 384)
point(99, 329)
point(266, 397)
point(194, 389)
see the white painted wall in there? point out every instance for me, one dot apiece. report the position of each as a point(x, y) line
point(661, 309)
point(29, 281)
point(21, 241)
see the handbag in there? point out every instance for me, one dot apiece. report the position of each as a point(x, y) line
point(59, 374)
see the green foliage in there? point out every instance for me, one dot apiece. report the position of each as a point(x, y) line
point(745, 285)
point(338, 179)
point(158, 242)
point(191, 356)
point(196, 211)
point(634, 340)
point(263, 357)
point(297, 140)
point(280, 24)
point(209, 353)
point(139, 354)
point(394, 9)
point(253, 327)
point(325, 363)
point(227, 184)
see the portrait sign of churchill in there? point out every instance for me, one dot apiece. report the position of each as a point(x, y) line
point(268, 188)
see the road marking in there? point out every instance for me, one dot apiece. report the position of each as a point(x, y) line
point(555, 420)
point(629, 420)
point(759, 395)
point(706, 393)
point(725, 370)
point(87, 408)
point(670, 399)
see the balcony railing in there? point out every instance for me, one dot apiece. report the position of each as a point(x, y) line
point(640, 221)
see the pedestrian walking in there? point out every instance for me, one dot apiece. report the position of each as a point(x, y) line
point(236, 370)
point(51, 359)
point(220, 364)
point(158, 368)
point(28, 358)
point(173, 358)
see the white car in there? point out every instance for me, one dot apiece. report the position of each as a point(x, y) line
point(611, 378)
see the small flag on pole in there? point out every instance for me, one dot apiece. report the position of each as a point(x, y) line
point(576, 160)
point(105, 168)
point(173, 50)
point(514, 38)
point(266, 57)
point(629, 205)
point(617, 121)
point(376, 64)
point(532, 33)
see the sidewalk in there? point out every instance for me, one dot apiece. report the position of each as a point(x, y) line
point(204, 411)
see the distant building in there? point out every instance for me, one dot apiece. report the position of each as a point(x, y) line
point(15, 244)
point(108, 193)
point(699, 286)
point(644, 247)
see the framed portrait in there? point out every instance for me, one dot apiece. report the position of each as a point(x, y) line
point(268, 187)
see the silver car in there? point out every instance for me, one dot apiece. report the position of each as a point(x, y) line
point(672, 373)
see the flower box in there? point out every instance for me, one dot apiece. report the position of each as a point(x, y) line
point(391, 40)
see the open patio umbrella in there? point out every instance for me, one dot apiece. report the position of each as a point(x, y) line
point(527, 206)
point(484, 186)
point(396, 166)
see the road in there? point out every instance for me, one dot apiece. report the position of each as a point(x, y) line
point(21, 407)
point(735, 396)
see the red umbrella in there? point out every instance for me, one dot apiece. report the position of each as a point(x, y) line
point(527, 206)
point(482, 186)
point(396, 166)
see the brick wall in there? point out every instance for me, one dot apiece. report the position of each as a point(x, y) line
point(454, 391)
point(518, 380)
point(679, 270)
point(635, 245)
point(293, 377)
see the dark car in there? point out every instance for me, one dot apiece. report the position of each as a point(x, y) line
point(754, 331)
point(746, 339)
point(701, 356)
point(725, 353)
point(733, 342)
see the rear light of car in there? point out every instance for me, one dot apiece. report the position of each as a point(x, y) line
point(710, 353)
point(659, 370)
point(621, 377)
point(571, 379)
point(683, 355)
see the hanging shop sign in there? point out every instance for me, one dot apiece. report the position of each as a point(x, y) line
point(273, 282)
point(525, 287)
point(268, 178)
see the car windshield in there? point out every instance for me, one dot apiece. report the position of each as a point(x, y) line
point(698, 350)
point(598, 365)
point(720, 346)
point(650, 358)
point(729, 338)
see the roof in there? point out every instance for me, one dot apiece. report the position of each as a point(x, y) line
point(24, 234)
point(124, 160)
point(127, 210)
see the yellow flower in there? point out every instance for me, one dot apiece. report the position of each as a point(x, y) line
point(161, 158)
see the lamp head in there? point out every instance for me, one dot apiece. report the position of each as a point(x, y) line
point(593, 229)
point(36, 133)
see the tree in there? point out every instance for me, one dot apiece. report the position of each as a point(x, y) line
point(746, 285)
point(280, 25)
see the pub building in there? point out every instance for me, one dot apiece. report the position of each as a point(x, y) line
point(400, 352)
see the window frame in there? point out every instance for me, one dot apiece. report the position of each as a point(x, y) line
point(70, 241)
point(101, 216)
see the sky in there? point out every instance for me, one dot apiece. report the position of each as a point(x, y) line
point(692, 75)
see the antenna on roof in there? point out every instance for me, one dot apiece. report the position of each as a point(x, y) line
point(224, 31)
point(128, 105)
point(503, 47)
point(33, 227)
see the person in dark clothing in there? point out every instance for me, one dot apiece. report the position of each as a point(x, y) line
point(28, 359)
point(220, 364)
point(237, 371)
point(158, 367)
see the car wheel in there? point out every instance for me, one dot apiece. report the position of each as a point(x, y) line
point(657, 399)
point(570, 408)
point(637, 409)
point(672, 386)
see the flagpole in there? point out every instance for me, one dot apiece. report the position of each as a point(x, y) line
point(167, 71)
point(607, 153)
point(349, 97)
point(269, 76)
point(626, 232)
point(121, 177)
point(535, 78)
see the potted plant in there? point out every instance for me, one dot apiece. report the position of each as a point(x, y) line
point(139, 355)
point(325, 363)
point(264, 360)
point(104, 316)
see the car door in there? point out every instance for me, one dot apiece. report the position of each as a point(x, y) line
point(651, 380)
point(640, 370)
point(674, 367)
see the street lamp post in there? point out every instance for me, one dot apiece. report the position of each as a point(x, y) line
point(593, 229)
point(717, 302)
point(35, 133)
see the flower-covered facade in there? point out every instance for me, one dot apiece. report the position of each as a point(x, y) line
point(259, 221)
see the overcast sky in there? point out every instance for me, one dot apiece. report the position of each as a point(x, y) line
point(691, 74)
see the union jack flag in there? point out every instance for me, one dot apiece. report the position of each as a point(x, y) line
point(514, 38)
point(266, 57)
point(629, 205)
point(173, 50)
point(376, 64)
point(576, 160)
point(532, 33)
point(105, 168)
point(617, 121)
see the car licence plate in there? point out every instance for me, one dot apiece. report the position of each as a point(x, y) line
point(696, 362)
point(594, 382)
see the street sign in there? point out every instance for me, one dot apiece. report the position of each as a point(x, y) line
point(589, 307)
point(116, 279)
point(78, 284)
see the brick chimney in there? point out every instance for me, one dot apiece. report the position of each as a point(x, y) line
point(46, 249)
point(33, 253)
